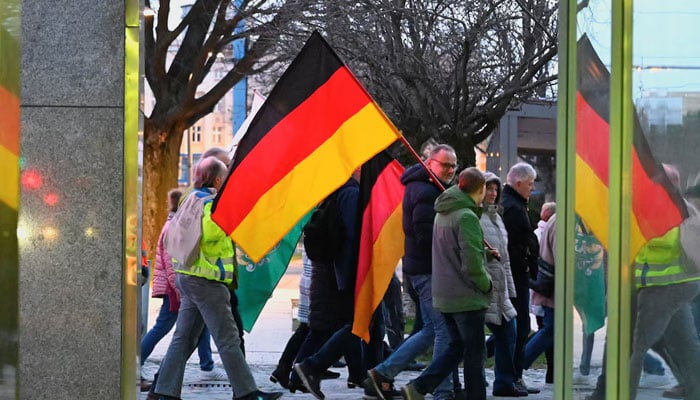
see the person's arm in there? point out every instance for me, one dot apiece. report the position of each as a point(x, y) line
point(346, 264)
point(164, 265)
point(423, 219)
point(471, 245)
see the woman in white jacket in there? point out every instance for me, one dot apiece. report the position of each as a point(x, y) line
point(500, 317)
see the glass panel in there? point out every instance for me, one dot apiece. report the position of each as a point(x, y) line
point(9, 194)
point(665, 167)
point(591, 196)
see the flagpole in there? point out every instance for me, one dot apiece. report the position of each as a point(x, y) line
point(420, 160)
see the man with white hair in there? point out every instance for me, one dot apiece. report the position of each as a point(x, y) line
point(523, 249)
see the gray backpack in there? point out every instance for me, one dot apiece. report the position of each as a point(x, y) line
point(185, 230)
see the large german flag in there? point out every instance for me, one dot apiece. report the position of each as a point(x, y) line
point(317, 126)
point(657, 205)
point(381, 236)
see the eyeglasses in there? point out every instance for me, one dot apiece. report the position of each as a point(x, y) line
point(446, 165)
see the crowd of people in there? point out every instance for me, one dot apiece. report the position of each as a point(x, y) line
point(471, 255)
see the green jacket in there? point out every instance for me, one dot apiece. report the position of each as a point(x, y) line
point(460, 281)
point(217, 255)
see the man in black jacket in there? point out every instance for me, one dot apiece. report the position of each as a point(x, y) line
point(523, 250)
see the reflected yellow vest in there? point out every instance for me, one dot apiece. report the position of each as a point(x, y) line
point(658, 263)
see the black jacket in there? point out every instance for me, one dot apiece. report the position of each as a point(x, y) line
point(523, 248)
point(418, 216)
point(332, 287)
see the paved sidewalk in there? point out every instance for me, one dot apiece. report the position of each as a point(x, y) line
point(265, 343)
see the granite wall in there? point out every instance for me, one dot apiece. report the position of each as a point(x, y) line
point(77, 255)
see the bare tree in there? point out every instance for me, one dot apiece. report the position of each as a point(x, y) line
point(176, 63)
point(446, 69)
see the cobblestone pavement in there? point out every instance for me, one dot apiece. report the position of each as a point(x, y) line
point(269, 336)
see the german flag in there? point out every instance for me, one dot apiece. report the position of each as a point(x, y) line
point(657, 205)
point(316, 127)
point(381, 236)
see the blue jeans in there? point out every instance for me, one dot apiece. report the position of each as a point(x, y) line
point(504, 347)
point(204, 302)
point(434, 332)
point(164, 323)
point(466, 330)
point(543, 339)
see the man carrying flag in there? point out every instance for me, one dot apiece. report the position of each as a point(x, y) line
point(666, 282)
point(418, 217)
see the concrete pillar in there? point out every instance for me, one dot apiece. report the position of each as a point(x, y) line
point(79, 231)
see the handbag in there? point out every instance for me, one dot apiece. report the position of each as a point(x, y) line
point(544, 284)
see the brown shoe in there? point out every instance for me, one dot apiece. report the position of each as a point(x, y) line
point(676, 392)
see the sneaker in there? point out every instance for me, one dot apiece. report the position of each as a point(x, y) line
point(328, 374)
point(311, 381)
point(260, 395)
point(371, 394)
point(215, 374)
point(340, 363)
point(512, 391)
point(294, 387)
point(378, 383)
point(409, 392)
point(278, 376)
point(676, 392)
point(651, 381)
point(521, 386)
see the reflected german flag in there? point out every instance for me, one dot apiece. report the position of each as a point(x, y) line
point(9, 180)
point(381, 236)
point(657, 205)
point(316, 127)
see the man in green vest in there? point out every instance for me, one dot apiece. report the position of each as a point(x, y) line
point(204, 290)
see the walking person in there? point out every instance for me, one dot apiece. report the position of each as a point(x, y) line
point(543, 340)
point(461, 288)
point(418, 219)
point(500, 316)
point(332, 296)
point(286, 362)
point(205, 299)
point(164, 288)
point(522, 250)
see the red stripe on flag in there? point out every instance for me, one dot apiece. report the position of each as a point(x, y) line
point(305, 129)
point(387, 194)
point(381, 245)
point(592, 139)
point(652, 205)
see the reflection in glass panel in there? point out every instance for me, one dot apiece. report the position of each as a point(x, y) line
point(591, 195)
point(10, 54)
point(666, 94)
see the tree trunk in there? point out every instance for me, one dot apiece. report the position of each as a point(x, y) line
point(464, 147)
point(160, 160)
